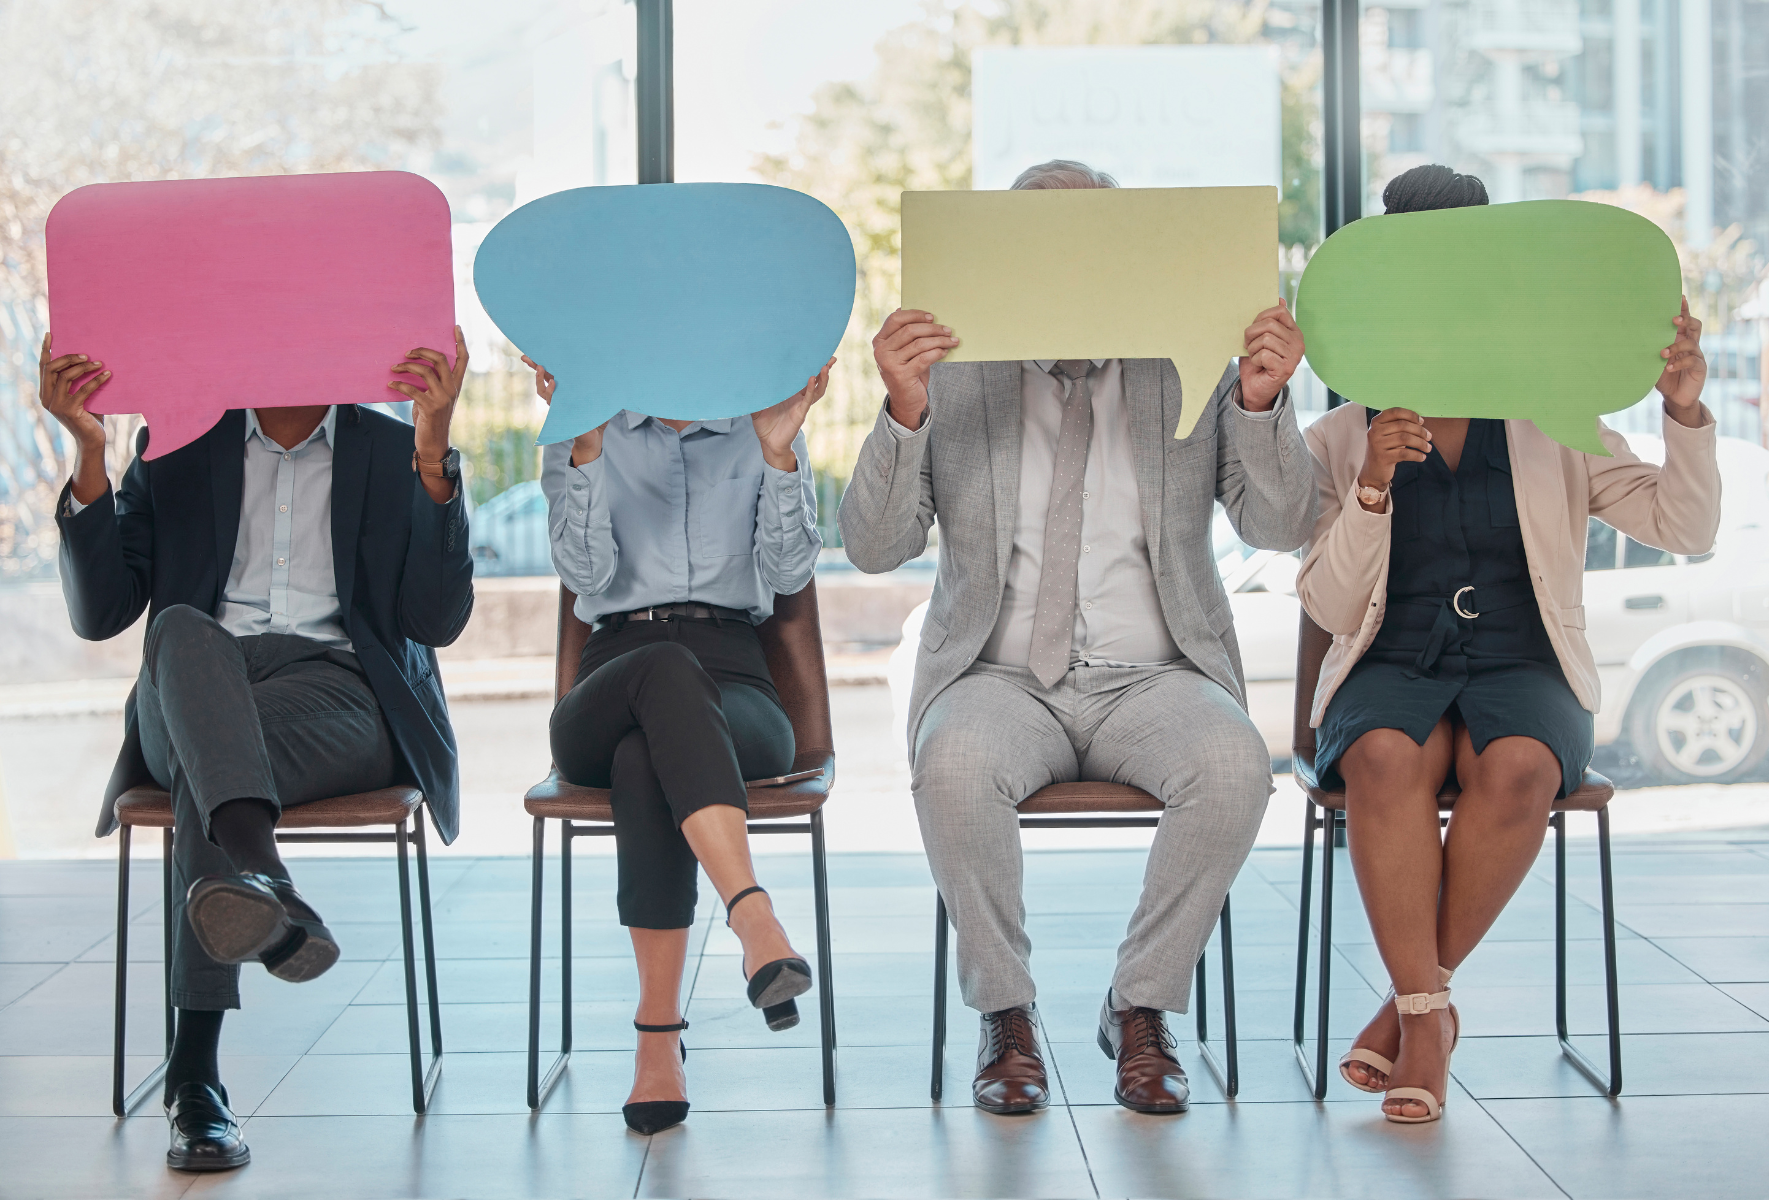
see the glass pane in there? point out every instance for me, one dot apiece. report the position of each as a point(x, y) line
point(1599, 547)
point(1639, 554)
point(1607, 100)
point(855, 103)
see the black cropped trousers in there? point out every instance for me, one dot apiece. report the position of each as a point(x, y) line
point(671, 716)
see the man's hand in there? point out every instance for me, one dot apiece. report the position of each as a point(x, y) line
point(906, 347)
point(1274, 347)
point(586, 447)
point(56, 391)
point(433, 405)
point(1685, 371)
point(1397, 435)
point(779, 424)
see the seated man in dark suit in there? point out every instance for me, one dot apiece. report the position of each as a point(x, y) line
point(297, 566)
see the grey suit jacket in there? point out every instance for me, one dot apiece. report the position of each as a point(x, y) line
point(963, 467)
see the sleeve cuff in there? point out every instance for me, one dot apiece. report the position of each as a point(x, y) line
point(902, 432)
point(1351, 508)
point(1270, 413)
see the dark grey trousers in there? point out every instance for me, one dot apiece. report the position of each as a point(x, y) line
point(274, 717)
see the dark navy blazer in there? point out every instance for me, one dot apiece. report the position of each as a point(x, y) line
point(404, 574)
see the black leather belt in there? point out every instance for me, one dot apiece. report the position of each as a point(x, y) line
point(673, 612)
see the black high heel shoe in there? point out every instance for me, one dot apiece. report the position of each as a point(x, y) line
point(774, 984)
point(655, 1116)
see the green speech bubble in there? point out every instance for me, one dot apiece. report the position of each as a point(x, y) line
point(1550, 310)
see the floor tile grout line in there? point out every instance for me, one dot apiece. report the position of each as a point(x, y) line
point(1069, 1111)
point(644, 1161)
point(1493, 1117)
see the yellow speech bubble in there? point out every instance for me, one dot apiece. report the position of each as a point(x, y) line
point(1173, 273)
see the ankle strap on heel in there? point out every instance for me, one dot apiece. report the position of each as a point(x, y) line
point(1419, 1003)
point(676, 1028)
point(733, 901)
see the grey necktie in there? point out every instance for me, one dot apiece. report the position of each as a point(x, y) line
point(1053, 624)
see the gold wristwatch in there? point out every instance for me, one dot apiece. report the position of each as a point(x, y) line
point(1370, 495)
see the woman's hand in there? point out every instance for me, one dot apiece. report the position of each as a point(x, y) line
point(1685, 371)
point(907, 346)
point(56, 391)
point(777, 426)
point(1397, 435)
point(585, 447)
point(1273, 350)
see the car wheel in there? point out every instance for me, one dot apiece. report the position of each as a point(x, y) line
point(1702, 719)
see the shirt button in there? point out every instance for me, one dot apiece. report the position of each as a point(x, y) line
point(283, 508)
point(279, 562)
point(1087, 549)
point(286, 454)
point(1089, 604)
point(1087, 495)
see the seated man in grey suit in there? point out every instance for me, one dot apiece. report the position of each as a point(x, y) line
point(1078, 631)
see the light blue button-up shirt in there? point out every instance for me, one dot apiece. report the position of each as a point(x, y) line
point(666, 518)
point(282, 579)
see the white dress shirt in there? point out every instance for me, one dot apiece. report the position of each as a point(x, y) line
point(1118, 618)
point(282, 579)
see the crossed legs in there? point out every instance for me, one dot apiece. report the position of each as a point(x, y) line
point(1431, 899)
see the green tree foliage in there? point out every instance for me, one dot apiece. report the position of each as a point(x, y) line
point(98, 91)
point(907, 127)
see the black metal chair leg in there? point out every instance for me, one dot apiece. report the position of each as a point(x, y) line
point(534, 965)
point(1611, 1086)
point(1329, 834)
point(122, 1105)
point(825, 952)
point(166, 837)
point(1228, 1077)
point(565, 952)
point(938, 1082)
point(428, 926)
point(422, 1082)
point(1304, 902)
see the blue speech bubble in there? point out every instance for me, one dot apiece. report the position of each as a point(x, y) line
point(691, 301)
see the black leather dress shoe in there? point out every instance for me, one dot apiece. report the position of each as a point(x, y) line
point(239, 918)
point(205, 1137)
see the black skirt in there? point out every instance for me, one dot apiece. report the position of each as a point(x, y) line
point(1457, 549)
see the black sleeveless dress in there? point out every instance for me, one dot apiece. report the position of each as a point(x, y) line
point(1457, 543)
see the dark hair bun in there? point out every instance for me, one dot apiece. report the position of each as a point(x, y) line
point(1432, 186)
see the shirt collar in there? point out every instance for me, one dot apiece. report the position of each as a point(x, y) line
point(327, 428)
point(1045, 364)
point(718, 425)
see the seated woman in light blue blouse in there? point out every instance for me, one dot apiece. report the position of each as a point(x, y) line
point(676, 535)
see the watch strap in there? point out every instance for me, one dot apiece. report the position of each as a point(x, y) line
point(438, 469)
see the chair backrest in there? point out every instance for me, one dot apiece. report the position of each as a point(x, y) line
point(1312, 643)
point(792, 639)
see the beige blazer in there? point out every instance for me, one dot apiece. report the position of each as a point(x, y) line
point(1344, 578)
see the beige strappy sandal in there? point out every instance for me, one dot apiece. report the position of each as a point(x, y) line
point(1418, 1004)
point(1361, 1054)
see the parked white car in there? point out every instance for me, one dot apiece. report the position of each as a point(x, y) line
point(1681, 642)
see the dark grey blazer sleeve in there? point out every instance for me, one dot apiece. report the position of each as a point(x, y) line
point(107, 552)
point(889, 506)
point(1264, 472)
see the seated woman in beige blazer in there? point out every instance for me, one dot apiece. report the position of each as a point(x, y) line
point(1448, 563)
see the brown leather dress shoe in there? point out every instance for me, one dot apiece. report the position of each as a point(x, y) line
point(1010, 1071)
point(1150, 1079)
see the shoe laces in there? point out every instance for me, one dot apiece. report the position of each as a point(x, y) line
point(1010, 1032)
point(1145, 1030)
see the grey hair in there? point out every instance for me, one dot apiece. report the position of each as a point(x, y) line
point(1062, 173)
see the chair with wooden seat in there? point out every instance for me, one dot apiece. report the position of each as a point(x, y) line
point(792, 639)
point(1100, 806)
point(341, 819)
point(1326, 813)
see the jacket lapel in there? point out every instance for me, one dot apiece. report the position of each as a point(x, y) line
point(1001, 408)
point(1144, 401)
point(227, 480)
point(350, 483)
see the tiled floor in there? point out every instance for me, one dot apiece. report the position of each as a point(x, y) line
point(320, 1073)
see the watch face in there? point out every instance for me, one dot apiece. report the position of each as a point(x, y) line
point(451, 464)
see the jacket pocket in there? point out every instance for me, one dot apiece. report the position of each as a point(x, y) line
point(1220, 618)
point(933, 635)
point(723, 517)
point(1573, 618)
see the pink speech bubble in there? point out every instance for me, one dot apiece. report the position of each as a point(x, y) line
point(203, 295)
